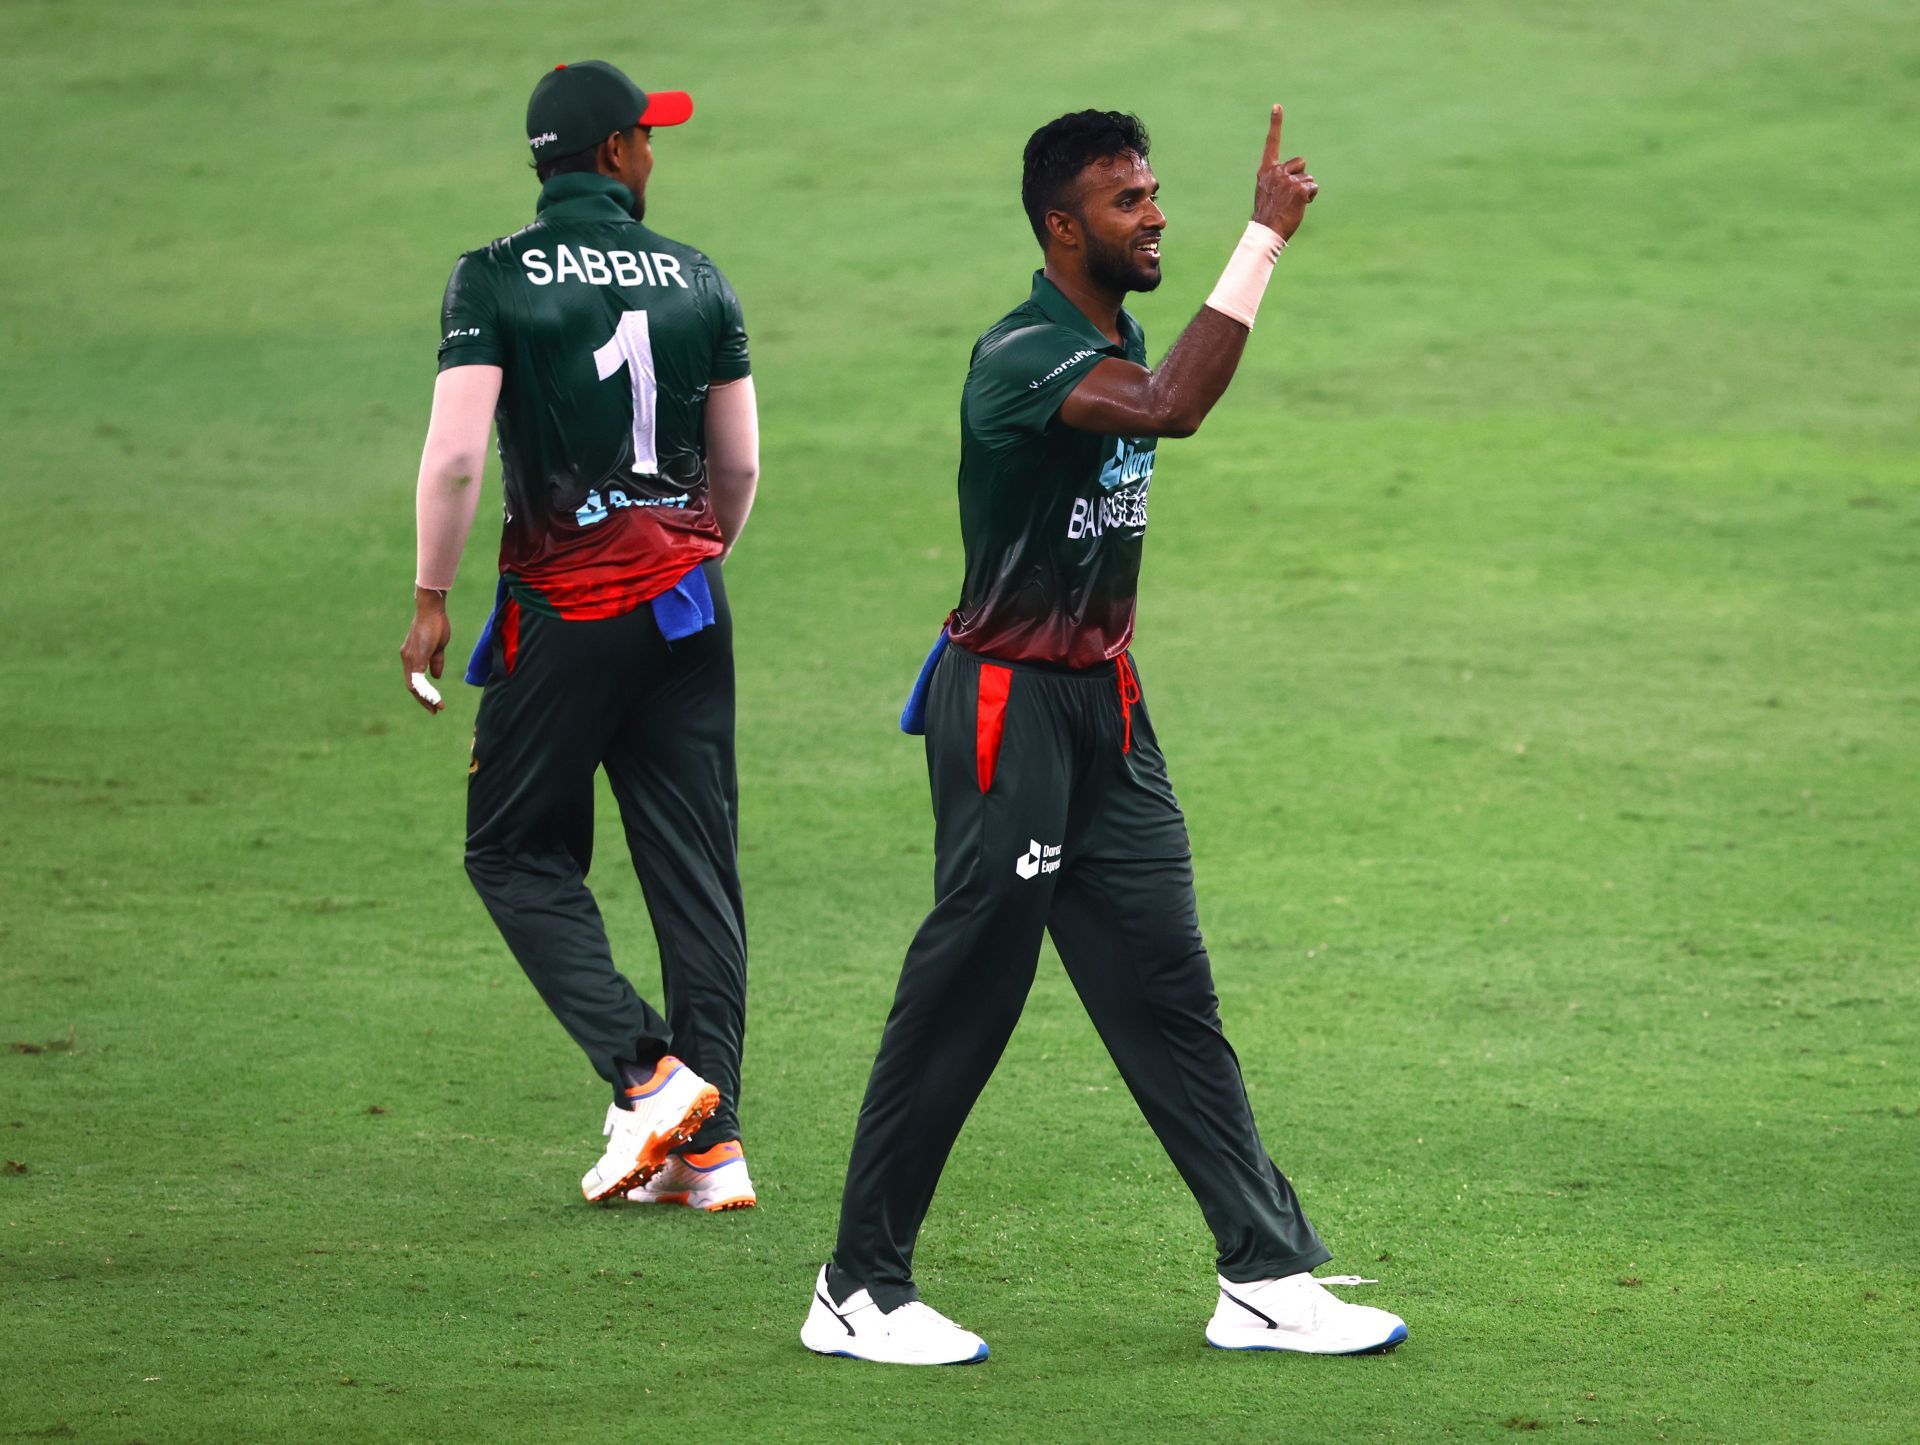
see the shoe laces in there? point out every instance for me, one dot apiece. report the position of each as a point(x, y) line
point(926, 1314)
point(1295, 1302)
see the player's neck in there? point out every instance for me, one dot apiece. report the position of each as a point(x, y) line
point(1096, 302)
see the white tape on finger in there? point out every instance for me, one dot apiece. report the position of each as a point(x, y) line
point(423, 689)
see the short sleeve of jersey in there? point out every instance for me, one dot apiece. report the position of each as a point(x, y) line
point(470, 317)
point(730, 331)
point(1018, 380)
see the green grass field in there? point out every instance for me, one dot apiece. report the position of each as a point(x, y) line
point(1533, 632)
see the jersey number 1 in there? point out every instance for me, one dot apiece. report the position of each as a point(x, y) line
point(632, 347)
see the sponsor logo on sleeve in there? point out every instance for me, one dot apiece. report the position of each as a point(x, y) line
point(1072, 361)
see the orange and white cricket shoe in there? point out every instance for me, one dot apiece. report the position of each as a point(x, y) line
point(714, 1180)
point(660, 1115)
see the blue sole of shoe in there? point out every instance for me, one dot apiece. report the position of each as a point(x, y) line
point(1391, 1342)
point(849, 1355)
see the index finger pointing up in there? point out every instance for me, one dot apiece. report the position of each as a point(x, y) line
point(1272, 152)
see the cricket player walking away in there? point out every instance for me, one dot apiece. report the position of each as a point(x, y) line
point(613, 362)
point(1052, 809)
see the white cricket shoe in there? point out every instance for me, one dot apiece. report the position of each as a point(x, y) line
point(913, 1334)
point(666, 1111)
point(1298, 1313)
point(714, 1180)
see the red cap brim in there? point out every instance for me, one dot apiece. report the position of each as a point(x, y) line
point(667, 107)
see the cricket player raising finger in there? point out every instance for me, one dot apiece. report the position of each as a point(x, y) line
point(1052, 807)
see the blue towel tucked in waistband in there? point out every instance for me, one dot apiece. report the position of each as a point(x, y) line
point(686, 607)
point(682, 610)
point(913, 717)
point(480, 665)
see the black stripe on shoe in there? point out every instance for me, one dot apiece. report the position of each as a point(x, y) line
point(836, 1313)
point(1272, 1323)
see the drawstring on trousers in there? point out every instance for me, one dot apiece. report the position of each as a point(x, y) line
point(1129, 684)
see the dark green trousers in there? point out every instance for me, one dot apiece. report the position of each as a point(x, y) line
point(1043, 823)
point(569, 698)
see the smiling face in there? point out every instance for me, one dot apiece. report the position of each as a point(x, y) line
point(1121, 222)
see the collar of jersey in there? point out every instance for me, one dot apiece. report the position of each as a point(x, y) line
point(1055, 306)
point(585, 194)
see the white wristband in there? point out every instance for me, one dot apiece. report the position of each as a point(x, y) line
point(1238, 291)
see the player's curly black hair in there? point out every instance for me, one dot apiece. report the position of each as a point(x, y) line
point(1061, 149)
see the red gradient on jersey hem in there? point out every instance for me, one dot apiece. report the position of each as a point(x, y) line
point(586, 574)
point(991, 633)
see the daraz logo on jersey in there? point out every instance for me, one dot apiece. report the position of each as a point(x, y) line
point(597, 507)
point(1129, 463)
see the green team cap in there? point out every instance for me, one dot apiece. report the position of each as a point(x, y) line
point(575, 107)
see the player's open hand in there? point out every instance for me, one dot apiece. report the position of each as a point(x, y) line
point(424, 652)
point(1283, 190)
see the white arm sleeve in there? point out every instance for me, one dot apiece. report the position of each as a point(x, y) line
point(733, 454)
point(451, 465)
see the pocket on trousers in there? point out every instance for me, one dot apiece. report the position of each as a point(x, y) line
point(989, 723)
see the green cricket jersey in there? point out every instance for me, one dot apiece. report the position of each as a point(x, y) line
point(1054, 519)
point(608, 335)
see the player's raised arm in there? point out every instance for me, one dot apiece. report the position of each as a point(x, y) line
point(448, 490)
point(1118, 398)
